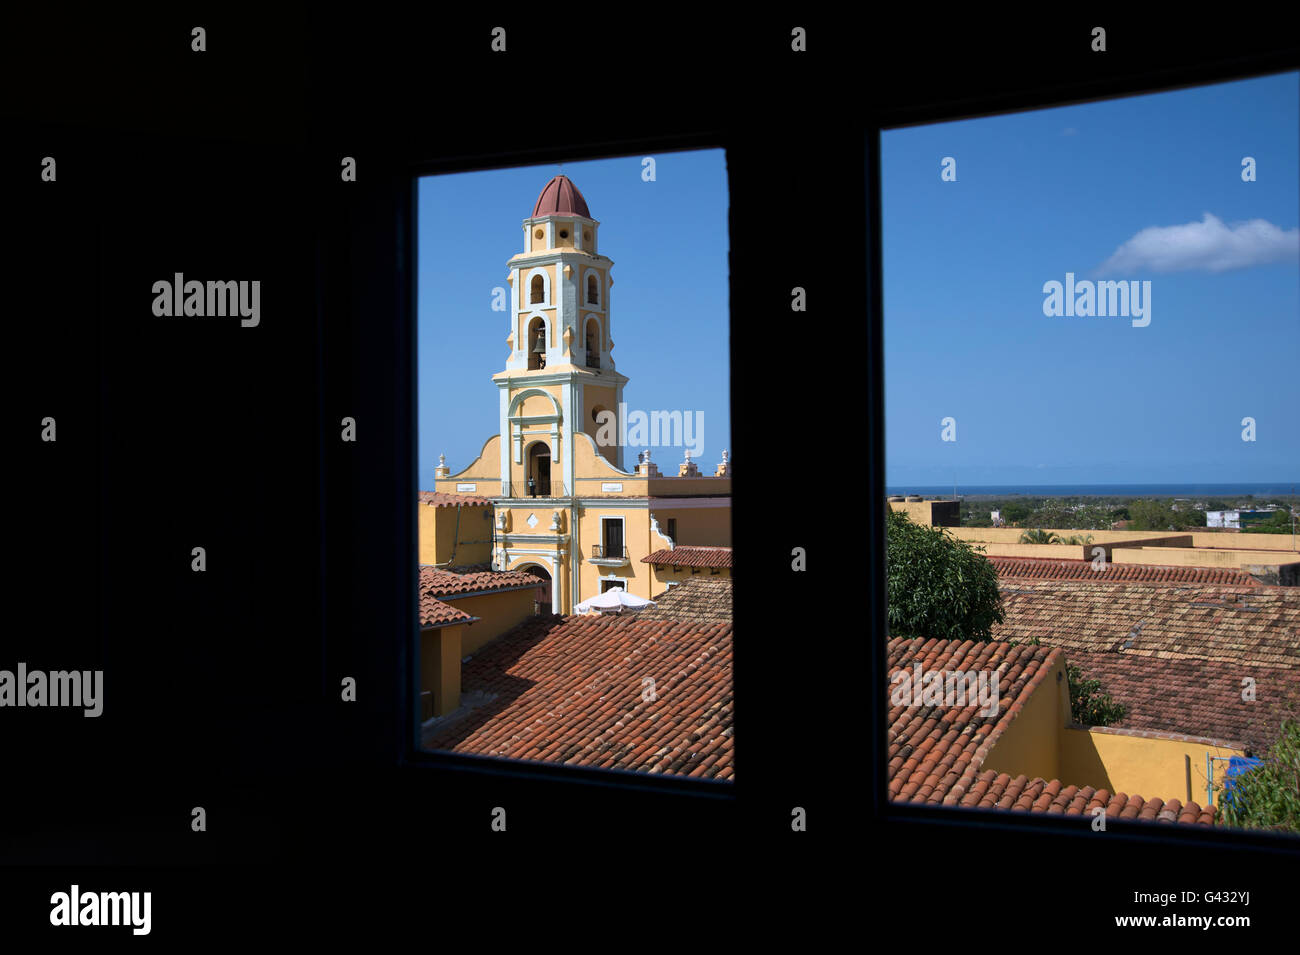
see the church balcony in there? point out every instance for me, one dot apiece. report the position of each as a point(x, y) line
point(534, 488)
point(606, 556)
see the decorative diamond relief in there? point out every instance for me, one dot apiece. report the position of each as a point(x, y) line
point(532, 520)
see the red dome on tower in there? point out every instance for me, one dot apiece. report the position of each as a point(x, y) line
point(561, 197)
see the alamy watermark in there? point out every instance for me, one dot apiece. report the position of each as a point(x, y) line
point(75, 907)
point(919, 687)
point(656, 428)
point(196, 299)
point(1085, 299)
point(83, 688)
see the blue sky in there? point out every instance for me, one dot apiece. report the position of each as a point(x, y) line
point(1115, 189)
point(669, 305)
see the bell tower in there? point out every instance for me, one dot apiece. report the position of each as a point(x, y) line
point(559, 375)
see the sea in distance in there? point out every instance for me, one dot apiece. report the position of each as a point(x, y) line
point(1099, 490)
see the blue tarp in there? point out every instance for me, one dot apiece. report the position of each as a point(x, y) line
point(1236, 766)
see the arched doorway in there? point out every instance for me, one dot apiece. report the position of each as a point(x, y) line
point(539, 470)
point(543, 598)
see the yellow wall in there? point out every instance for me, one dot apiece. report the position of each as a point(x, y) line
point(1011, 535)
point(703, 526)
point(672, 486)
point(442, 541)
point(591, 470)
point(1031, 743)
point(1055, 551)
point(497, 613)
point(1138, 765)
point(536, 404)
point(1276, 542)
point(636, 538)
point(484, 472)
point(1201, 557)
point(440, 654)
point(606, 398)
point(1041, 741)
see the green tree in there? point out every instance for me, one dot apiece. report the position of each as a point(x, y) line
point(1268, 796)
point(1016, 512)
point(1039, 537)
point(938, 586)
point(1278, 523)
point(1093, 517)
point(1152, 514)
point(1051, 513)
point(1188, 517)
point(1089, 705)
point(975, 514)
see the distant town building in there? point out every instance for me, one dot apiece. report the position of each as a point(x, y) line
point(1237, 519)
point(933, 513)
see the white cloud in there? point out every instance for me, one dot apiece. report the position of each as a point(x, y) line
point(1208, 245)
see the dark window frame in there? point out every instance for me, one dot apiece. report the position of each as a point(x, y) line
point(738, 146)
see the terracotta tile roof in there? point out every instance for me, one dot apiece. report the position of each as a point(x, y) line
point(570, 690)
point(1055, 569)
point(936, 753)
point(446, 499)
point(448, 583)
point(1194, 697)
point(1255, 627)
point(435, 613)
point(695, 598)
point(999, 791)
point(691, 555)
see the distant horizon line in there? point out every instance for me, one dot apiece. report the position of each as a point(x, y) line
point(1217, 488)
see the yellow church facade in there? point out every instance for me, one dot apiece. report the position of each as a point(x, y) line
point(563, 506)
